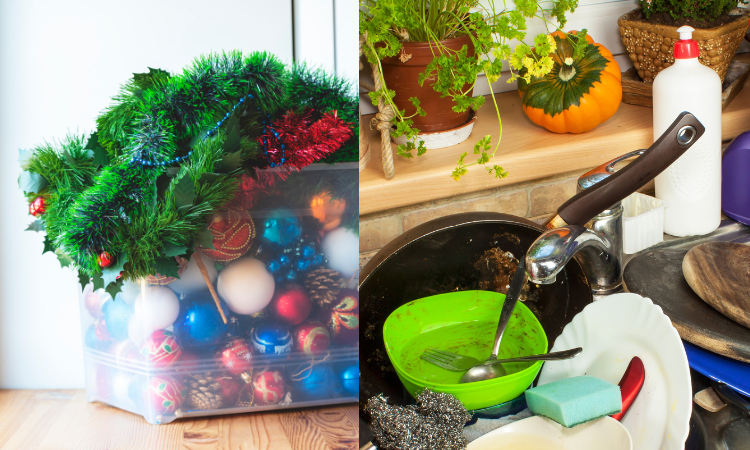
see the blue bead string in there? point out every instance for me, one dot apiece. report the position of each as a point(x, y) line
point(210, 132)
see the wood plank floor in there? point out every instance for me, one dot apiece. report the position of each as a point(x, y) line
point(64, 420)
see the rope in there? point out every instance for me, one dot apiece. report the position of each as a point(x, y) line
point(382, 122)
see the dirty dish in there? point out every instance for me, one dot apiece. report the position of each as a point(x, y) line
point(462, 322)
point(612, 331)
point(540, 433)
point(735, 374)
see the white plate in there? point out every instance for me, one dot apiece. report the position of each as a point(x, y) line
point(540, 433)
point(613, 330)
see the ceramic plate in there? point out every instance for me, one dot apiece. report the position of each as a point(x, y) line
point(735, 374)
point(612, 331)
point(540, 433)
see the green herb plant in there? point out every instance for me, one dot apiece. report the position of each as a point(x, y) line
point(698, 10)
point(386, 24)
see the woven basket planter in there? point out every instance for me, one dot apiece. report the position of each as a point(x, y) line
point(650, 46)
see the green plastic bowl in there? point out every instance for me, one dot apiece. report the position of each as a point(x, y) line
point(465, 323)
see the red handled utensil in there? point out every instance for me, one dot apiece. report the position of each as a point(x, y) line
point(630, 385)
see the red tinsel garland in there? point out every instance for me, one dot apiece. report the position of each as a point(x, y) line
point(304, 141)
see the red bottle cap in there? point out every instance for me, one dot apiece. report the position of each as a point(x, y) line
point(686, 47)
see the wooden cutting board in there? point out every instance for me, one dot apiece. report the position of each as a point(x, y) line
point(719, 272)
point(658, 276)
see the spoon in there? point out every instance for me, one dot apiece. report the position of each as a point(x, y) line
point(487, 369)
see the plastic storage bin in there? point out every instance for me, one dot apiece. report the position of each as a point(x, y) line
point(285, 277)
point(643, 222)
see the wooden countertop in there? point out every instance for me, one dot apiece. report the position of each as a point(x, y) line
point(64, 420)
point(527, 152)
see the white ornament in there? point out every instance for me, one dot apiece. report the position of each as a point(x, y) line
point(246, 286)
point(129, 292)
point(137, 332)
point(191, 279)
point(157, 307)
point(341, 249)
point(120, 383)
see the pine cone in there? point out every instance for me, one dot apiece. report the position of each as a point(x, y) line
point(324, 286)
point(204, 392)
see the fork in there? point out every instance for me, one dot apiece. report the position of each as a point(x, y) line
point(461, 363)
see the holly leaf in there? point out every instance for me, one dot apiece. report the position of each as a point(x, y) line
point(205, 239)
point(98, 281)
point(230, 162)
point(48, 247)
point(24, 158)
point(110, 274)
point(31, 182)
point(37, 225)
point(232, 139)
point(114, 288)
point(101, 157)
point(208, 177)
point(174, 250)
point(64, 259)
point(184, 192)
point(83, 279)
point(167, 267)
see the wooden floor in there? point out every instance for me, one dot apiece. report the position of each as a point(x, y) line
point(64, 420)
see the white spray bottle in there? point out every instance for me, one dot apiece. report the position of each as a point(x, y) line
point(692, 184)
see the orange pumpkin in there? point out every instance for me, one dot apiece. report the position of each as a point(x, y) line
point(577, 94)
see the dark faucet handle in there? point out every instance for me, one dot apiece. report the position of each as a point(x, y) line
point(678, 138)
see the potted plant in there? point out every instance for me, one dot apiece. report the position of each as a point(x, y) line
point(649, 32)
point(428, 53)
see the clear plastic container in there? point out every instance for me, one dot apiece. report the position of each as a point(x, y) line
point(643, 222)
point(285, 274)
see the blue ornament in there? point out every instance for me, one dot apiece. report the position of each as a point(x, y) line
point(199, 322)
point(273, 266)
point(284, 260)
point(117, 315)
point(308, 251)
point(303, 265)
point(349, 379)
point(90, 338)
point(282, 226)
point(313, 382)
point(271, 339)
point(291, 275)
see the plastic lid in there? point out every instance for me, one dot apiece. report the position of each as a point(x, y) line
point(686, 47)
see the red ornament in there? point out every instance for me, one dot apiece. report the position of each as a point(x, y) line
point(161, 349)
point(291, 305)
point(343, 319)
point(161, 280)
point(311, 338)
point(94, 301)
point(37, 207)
point(304, 142)
point(126, 353)
point(165, 394)
point(100, 327)
point(327, 211)
point(230, 390)
point(105, 259)
point(188, 362)
point(269, 387)
point(233, 232)
point(237, 357)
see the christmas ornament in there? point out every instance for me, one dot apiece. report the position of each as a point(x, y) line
point(117, 315)
point(203, 392)
point(271, 339)
point(281, 226)
point(37, 207)
point(232, 232)
point(163, 280)
point(137, 332)
point(236, 357)
point(189, 362)
point(91, 340)
point(269, 387)
point(311, 338)
point(290, 305)
point(101, 330)
point(127, 353)
point(191, 279)
point(299, 257)
point(342, 319)
point(157, 307)
point(121, 390)
point(199, 323)
point(297, 141)
point(339, 248)
point(165, 394)
point(129, 292)
point(246, 286)
point(103, 378)
point(94, 300)
point(436, 421)
point(328, 211)
point(105, 259)
point(161, 349)
point(349, 379)
point(324, 286)
point(312, 382)
point(230, 389)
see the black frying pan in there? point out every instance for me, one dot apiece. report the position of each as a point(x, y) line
point(438, 257)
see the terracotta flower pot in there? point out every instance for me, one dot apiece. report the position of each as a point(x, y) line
point(650, 46)
point(403, 76)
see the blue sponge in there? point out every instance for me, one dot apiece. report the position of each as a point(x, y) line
point(576, 400)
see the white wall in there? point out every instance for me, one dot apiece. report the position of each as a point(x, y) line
point(60, 62)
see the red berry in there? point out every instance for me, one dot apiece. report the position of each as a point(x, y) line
point(105, 259)
point(37, 207)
